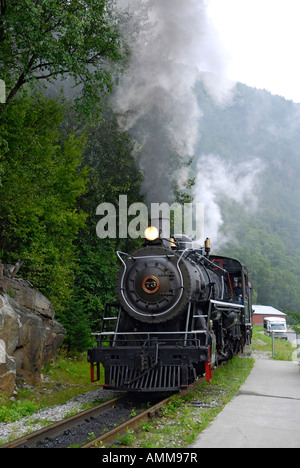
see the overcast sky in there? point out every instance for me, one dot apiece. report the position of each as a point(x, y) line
point(261, 39)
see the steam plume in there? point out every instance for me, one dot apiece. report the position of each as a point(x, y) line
point(175, 42)
point(173, 46)
point(219, 180)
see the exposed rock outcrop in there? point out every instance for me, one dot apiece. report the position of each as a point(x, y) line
point(29, 335)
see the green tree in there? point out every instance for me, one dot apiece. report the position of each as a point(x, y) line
point(295, 319)
point(41, 183)
point(49, 39)
point(110, 155)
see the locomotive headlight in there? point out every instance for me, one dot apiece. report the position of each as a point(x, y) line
point(151, 233)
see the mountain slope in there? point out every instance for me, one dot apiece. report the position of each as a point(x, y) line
point(255, 140)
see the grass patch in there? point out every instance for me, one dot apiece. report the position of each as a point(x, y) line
point(63, 378)
point(284, 350)
point(16, 410)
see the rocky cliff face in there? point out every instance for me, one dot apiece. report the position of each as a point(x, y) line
point(29, 335)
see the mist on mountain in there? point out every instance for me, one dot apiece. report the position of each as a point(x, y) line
point(248, 154)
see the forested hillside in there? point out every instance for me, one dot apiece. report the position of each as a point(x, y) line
point(59, 157)
point(63, 152)
point(259, 134)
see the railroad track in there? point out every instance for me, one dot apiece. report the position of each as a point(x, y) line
point(90, 424)
point(61, 430)
point(135, 422)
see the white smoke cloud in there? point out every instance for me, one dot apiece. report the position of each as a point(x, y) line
point(173, 46)
point(219, 179)
point(172, 43)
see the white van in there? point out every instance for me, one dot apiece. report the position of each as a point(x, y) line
point(277, 326)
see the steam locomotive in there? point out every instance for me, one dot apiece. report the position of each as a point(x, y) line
point(180, 311)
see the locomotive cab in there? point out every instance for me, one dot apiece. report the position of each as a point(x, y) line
point(240, 291)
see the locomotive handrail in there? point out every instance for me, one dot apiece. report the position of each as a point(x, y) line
point(148, 333)
point(131, 257)
point(230, 305)
point(210, 263)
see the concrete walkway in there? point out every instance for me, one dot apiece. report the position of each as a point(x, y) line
point(265, 413)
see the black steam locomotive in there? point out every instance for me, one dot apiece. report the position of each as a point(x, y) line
point(180, 312)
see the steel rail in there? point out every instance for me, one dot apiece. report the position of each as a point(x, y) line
point(56, 429)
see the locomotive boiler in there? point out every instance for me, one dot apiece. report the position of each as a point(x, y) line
point(179, 312)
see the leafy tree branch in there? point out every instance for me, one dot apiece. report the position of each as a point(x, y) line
point(55, 39)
